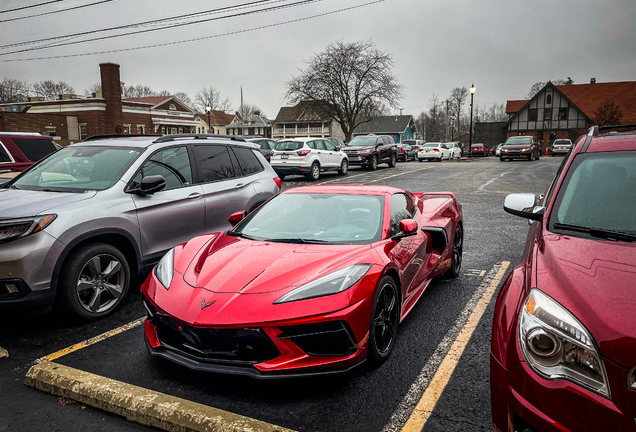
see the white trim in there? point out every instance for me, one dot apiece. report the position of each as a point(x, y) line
point(56, 109)
point(176, 122)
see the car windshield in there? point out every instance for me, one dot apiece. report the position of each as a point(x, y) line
point(78, 169)
point(599, 192)
point(316, 218)
point(562, 142)
point(519, 140)
point(363, 141)
point(288, 145)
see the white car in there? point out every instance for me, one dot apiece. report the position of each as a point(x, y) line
point(433, 151)
point(454, 149)
point(498, 149)
point(308, 157)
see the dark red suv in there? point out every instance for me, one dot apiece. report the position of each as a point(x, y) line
point(20, 150)
point(371, 150)
point(563, 351)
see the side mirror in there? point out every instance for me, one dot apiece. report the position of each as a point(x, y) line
point(237, 217)
point(337, 148)
point(152, 184)
point(408, 228)
point(524, 205)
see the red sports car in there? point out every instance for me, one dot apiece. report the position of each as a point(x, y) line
point(563, 353)
point(315, 280)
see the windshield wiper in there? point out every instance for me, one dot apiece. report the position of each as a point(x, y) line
point(597, 232)
point(298, 240)
point(242, 235)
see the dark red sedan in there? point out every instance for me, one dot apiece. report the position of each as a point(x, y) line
point(315, 280)
point(478, 149)
point(563, 353)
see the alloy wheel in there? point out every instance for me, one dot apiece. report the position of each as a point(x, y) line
point(100, 283)
point(385, 319)
point(458, 244)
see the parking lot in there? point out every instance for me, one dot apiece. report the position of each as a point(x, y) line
point(366, 399)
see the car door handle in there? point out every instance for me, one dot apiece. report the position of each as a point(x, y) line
point(195, 195)
point(240, 185)
point(319, 153)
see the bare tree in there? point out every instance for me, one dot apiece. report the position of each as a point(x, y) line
point(95, 88)
point(457, 99)
point(248, 110)
point(435, 121)
point(211, 97)
point(536, 87)
point(13, 90)
point(138, 91)
point(608, 114)
point(420, 121)
point(49, 90)
point(164, 93)
point(351, 79)
point(184, 99)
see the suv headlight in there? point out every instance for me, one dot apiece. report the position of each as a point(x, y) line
point(164, 270)
point(557, 346)
point(366, 151)
point(332, 283)
point(13, 229)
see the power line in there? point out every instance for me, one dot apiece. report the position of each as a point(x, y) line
point(200, 38)
point(269, 9)
point(32, 6)
point(55, 11)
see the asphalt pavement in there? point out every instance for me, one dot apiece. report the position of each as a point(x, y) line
point(366, 399)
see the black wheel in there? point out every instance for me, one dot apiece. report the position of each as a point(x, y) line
point(344, 167)
point(420, 160)
point(456, 254)
point(501, 159)
point(93, 282)
point(393, 161)
point(385, 317)
point(374, 163)
point(314, 173)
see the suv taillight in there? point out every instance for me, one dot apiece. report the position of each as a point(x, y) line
point(277, 181)
point(303, 152)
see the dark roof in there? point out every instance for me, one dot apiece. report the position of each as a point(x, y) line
point(385, 124)
point(151, 100)
point(217, 117)
point(515, 105)
point(303, 111)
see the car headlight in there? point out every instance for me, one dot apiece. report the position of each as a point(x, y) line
point(164, 270)
point(332, 283)
point(366, 151)
point(525, 150)
point(13, 229)
point(557, 346)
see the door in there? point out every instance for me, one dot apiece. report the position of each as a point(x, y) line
point(334, 155)
point(323, 154)
point(175, 214)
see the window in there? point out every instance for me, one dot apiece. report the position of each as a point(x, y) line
point(533, 114)
point(329, 145)
point(563, 113)
point(83, 131)
point(548, 99)
point(247, 161)
point(320, 145)
point(50, 130)
point(172, 107)
point(401, 208)
point(35, 149)
point(547, 114)
point(4, 155)
point(214, 163)
point(140, 129)
point(271, 144)
point(312, 144)
point(172, 163)
point(126, 129)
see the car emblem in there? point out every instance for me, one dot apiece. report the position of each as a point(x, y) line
point(204, 304)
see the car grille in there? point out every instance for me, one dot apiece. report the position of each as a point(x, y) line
point(242, 345)
point(327, 338)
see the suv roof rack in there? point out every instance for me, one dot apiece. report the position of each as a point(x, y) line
point(167, 138)
point(108, 136)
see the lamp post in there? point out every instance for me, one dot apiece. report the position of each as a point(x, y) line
point(208, 109)
point(470, 132)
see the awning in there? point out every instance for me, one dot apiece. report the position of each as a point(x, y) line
point(174, 122)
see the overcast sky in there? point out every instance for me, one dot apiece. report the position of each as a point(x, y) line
point(502, 46)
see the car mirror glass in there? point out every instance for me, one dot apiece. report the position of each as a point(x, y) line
point(524, 205)
point(152, 184)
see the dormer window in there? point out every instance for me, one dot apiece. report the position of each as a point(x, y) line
point(172, 107)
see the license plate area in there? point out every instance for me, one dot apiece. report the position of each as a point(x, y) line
point(285, 156)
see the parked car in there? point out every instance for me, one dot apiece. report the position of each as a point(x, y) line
point(433, 151)
point(308, 157)
point(492, 151)
point(498, 149)
point(563, 353)
point(455, 149)
point(331, 274)
point(265, 146)
point(20, 150)
point(560, 146)
point(478, 149)
point(336, 141)
point(415, 143)
point(77, 225)
point(520, 147)
point(371, 150)
point(406, 153)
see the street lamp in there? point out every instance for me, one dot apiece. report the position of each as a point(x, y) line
point(208, 109)
point(470, 132)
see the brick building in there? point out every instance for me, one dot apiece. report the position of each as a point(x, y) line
point(62, 128)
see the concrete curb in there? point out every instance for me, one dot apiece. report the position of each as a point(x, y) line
point(137, 404)
point(3, 353)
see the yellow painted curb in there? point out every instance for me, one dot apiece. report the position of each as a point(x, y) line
point(137, 404)
point(3, 353)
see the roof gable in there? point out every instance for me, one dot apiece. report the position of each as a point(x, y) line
point(589, 97)
point(386, 124)
point(303, 111)
point(162, 103)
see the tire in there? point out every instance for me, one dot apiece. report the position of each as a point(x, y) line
point(456, 253)
point(374, 163)
point(393, 162)
point(84, 292)
point(530, 157)
point(420, 160)
point(344, 167)
point(502, 159)
point(314, 174)
point(384, 321)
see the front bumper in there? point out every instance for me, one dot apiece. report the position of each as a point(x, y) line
point(520, 399)
point(359, 159)
point(519, 155)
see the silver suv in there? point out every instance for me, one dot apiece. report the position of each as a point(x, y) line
point(309, 157)
point(76, 226)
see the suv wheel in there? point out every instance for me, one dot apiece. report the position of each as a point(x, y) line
point(374, 163)
point(93, 282)
point(393, 161)
point(314, 174)
point(344, 167)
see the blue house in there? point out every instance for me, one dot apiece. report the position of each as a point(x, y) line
point(400, 127)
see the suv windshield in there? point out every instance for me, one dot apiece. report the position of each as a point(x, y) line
point(363, 141)
point(316, 218)
point(599, 192)
point(288, 145)
point(519, 140)
point(78, 169)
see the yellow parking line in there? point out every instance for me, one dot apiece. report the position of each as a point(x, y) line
point(91, 341)
point(431, 396)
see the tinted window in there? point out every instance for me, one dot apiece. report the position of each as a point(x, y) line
point(214, 163)
point(401, 208)
point(4, 156)
point(288, 145)
point(408, 142)
point(35, 149)
point(386, 140)
point(320, 145)
point(270, 144)
point(311, 144)
point(172, 163)
point(329, 145)
point(519, 140)
point(363, 141)
point(247, 160)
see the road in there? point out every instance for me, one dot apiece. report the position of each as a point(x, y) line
point(365, 399)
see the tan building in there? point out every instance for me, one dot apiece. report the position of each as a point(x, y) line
point(218, 122)
point(306, 119)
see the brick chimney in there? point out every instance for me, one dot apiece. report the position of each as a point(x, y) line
point(257, 113)
point(111, 92)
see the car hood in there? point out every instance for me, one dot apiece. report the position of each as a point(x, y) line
point(358, 148)
point(234, 265)
point(21, 203)
point(594, 280)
